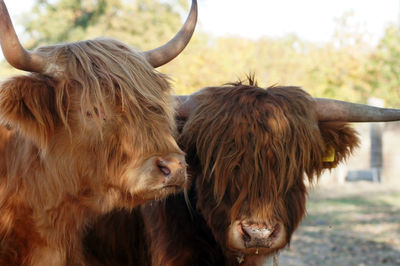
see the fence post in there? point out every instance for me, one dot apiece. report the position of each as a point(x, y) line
point(376, 158)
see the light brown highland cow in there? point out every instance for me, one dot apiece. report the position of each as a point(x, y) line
point(89, 130)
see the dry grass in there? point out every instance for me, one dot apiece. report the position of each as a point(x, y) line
point(351, 224)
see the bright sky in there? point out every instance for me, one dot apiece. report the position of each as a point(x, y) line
point(311, 20)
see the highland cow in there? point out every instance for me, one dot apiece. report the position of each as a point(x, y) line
point(250, 152)
point(90, 129)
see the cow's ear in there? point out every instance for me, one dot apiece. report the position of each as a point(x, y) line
point(340, 140)
point(27, 104)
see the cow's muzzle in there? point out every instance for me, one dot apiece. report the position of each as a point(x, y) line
point(250, 237)
point(258, 235)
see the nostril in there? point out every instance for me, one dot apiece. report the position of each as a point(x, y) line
point(245, 235)
point(163, 167)
point(276, 231)
point(165, 171)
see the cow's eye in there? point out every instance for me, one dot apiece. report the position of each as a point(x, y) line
point(155, 109)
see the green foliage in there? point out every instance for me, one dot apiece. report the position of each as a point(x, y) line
point(324, 71)
point(347, 68)
point(384, 67)
point(140, 23)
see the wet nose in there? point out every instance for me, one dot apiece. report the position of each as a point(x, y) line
point(258, 235)
point(172, 167)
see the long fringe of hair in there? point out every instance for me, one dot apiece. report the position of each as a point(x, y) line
point(254, 145)
point(107, 71)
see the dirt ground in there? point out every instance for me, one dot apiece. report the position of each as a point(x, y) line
point(351, 224)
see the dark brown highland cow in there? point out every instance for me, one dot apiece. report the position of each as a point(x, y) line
point(89, 130)
point(249, 152)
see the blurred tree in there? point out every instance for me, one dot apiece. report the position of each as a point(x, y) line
point(338, 69)
point(140, 23)
point(347, 68)
point(384, 67)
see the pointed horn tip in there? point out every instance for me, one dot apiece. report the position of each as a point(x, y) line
point(334, 110)
point(12, 49)
point(167, 52)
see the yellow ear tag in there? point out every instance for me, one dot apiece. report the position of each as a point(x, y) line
point(330, 156)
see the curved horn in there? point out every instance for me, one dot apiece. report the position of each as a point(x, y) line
point(334, 110)
point(13, 51)
point(163, 54)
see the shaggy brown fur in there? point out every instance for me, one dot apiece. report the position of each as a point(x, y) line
point(82, 143)
point(249, 151)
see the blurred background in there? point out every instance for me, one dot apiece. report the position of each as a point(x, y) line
point(343, 49)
